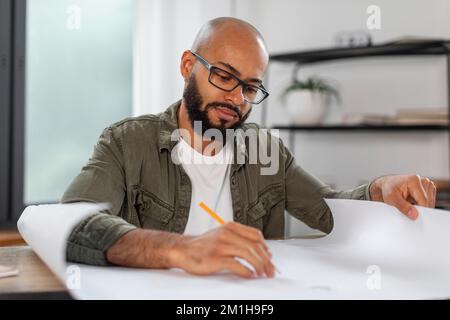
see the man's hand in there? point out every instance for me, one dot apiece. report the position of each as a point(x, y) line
point(218, 249)
point(205, 254)
point(403, 192)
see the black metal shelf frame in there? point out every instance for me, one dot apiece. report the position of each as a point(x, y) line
point(398, 49)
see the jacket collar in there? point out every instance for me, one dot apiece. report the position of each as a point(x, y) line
point(168, 124)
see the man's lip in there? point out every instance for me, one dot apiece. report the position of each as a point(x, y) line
point(228, 111)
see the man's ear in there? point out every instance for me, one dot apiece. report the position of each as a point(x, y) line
point(187, 64)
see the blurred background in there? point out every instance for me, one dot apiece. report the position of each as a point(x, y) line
point(69, 68)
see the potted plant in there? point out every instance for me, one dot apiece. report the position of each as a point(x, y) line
point(307, 101)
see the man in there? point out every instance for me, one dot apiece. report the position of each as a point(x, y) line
point(155, 221)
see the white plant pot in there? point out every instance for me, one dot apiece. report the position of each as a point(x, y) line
point(306, 107)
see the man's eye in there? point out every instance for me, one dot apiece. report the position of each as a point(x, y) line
point(251, 90)
point(225, 78)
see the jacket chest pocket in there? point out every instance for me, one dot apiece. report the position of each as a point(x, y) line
point(153, 213)
point(258, 212)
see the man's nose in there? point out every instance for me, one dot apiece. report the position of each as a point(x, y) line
point(236, 97)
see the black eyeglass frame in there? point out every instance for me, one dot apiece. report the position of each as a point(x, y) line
point(240, 82)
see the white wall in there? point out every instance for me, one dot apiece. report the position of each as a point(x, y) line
point(370, 85)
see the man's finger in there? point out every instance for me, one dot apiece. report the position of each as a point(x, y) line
point(397, 200)
point(246, 254)
point(430, 189)
point(427, 187)
point(418, 193)
point(433, 194)
point(269, 266)
point(235, 240)
point(237, 268)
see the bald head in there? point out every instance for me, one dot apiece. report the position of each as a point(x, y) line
point(228, 31)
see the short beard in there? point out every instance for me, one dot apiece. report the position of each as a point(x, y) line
point(194, 101)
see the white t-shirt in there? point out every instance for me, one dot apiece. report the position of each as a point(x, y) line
point(210, 179)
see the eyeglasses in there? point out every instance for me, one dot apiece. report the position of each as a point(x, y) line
point(227, 81)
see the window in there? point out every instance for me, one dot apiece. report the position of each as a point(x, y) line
point(65, 74)
point(78, 81)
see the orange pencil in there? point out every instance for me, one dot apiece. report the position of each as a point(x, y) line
point(211, 213)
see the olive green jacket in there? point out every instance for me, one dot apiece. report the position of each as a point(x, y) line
point(132, 170)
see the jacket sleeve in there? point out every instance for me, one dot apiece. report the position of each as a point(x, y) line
point(100, 181)
point(305, 194)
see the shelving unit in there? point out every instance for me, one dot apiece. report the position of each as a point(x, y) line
point(398, 49)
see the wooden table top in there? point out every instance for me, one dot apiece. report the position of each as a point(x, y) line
point(35, 280)
point(10, 238)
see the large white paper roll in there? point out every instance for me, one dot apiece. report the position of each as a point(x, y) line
point(373, 252)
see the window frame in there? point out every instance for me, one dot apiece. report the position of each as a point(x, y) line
point(12, 107)
point(5, 108)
